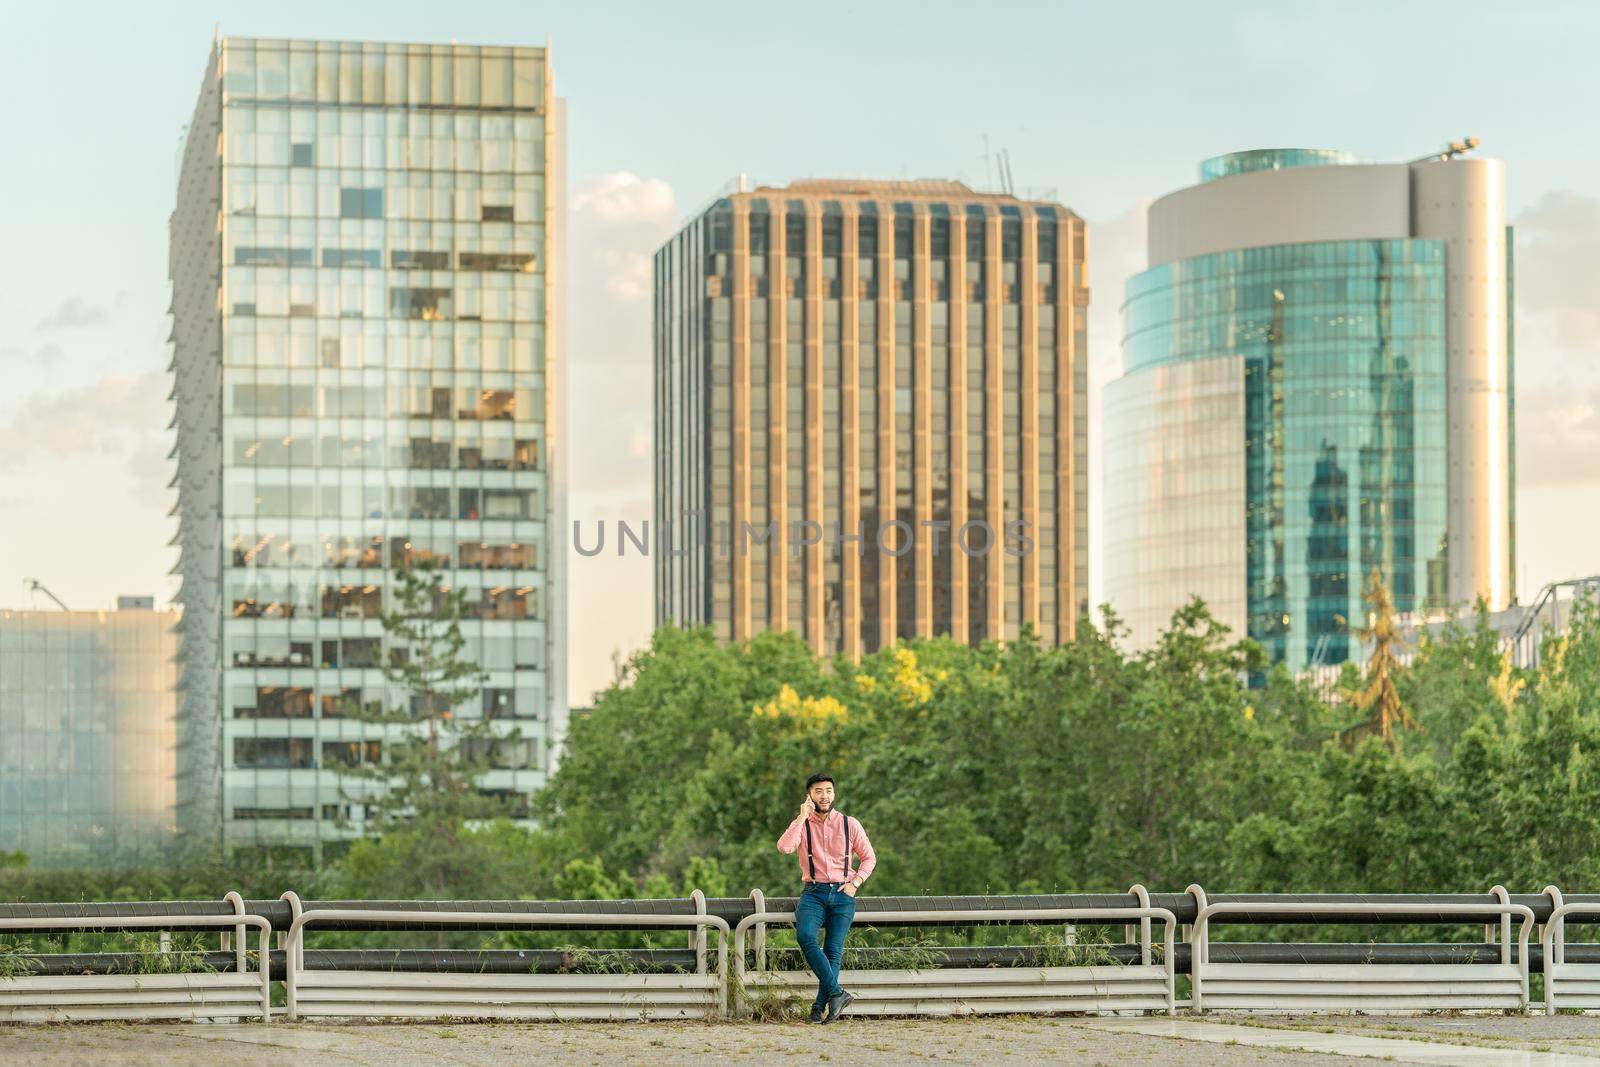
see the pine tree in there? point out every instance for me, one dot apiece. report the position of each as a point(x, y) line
point(1379, 698)
point(426, 785)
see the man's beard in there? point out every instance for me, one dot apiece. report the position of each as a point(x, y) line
point(823, 807)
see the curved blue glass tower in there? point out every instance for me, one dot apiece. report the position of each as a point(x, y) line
point(1285, 425)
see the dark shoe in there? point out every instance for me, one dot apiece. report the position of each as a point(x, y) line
point(816, 1014)
point(837, 1004)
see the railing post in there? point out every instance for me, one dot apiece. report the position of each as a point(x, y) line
point(1197, 936)
point(1553, 940)
point(1142, 895)
point(1499, 893)
point(760, 900)
point(697, 935)
point(291, 944)
point(239, 935)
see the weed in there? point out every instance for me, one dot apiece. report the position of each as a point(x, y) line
point(769, 1003)
point(187, 955)
point(1055, 950)
point(575, 959)
point(15, 961)
point(905, 954)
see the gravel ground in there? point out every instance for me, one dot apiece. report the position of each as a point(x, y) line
point(1007, 1040)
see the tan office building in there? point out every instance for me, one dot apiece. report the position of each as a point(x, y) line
point(871, 415)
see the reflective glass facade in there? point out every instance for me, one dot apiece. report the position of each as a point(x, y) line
point(362, 276)
point(866, 368)
point(87, 747)
point(1272, 159)
point(1339, 354)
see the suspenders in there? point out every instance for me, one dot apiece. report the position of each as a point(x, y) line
point(811, 851)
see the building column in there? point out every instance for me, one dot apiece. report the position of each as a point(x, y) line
point(994, 421)
point(849, 442)
point(739, 562)
point(778, 420)
point(921, 424)
point(1028, 387)
point(887, 608)
point(958, 420)
point(815, 554)
point(1066, 517)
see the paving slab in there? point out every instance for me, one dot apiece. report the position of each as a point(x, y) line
point(1419, 1046)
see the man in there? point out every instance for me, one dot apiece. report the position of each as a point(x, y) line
point(825, 839)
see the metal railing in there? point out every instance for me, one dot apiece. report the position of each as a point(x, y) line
point(1383, 986)
point(405, 993)
point(1139, 975)
point(188, 996)
point(1102, 986)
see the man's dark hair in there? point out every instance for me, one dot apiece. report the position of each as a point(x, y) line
point(818, 777)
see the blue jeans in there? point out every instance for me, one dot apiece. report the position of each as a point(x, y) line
point(826, 908)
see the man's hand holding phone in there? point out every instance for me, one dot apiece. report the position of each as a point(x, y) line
point(807, 809)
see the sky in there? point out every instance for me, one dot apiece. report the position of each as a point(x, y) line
point(1102, 107)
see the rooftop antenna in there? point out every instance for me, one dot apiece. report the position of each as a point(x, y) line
point(1005, 172)
point(1450, 151)
point(38, 587)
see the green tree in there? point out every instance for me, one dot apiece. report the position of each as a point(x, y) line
point(424, 795)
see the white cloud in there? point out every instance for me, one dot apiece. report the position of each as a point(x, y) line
point(1558, 270)
point(1558, 436)
point(618, 221)
point(118, 415)
point(74, 313)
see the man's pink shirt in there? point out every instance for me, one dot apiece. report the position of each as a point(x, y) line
point(827, 834)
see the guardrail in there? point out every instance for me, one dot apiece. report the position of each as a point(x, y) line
point(413, 994)
point(1575, 984)
point(1138, 975)
point(1102, 987)
point(188, 996)
point(1361, 986)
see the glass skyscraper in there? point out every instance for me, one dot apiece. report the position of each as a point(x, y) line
point(365, 261)
point(86, 735)
point(1316, 384)
point(871, 415)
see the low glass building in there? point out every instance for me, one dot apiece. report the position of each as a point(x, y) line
point(1295, 412)
point(87, 744)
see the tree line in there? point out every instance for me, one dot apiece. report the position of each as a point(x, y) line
point(1001, 768)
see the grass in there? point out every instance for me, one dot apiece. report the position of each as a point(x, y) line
point(15, 961)
point(186, 956)
point(772, 1004)
point(905, 954)
point(1055, 950)
point(576, 959)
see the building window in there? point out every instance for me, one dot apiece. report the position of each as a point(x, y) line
point(498, 213)
point(351, 753)
point(517, 261)
point(301, 155)
point(419, 260)
point(275, 702)
point(431, 305)
point(275, 256)
point(351, 257)
point(271, 813)
point(361, 203)
point(477, 555)
point(292, 753)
